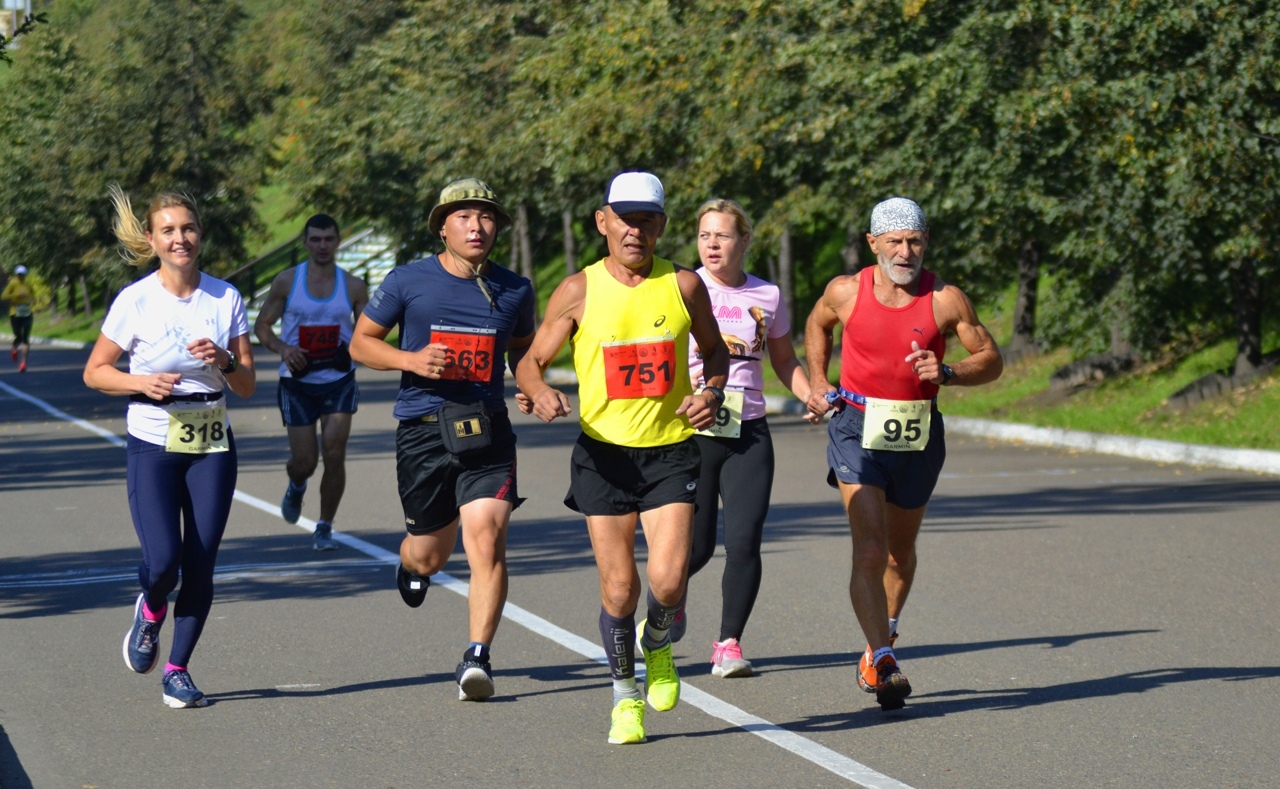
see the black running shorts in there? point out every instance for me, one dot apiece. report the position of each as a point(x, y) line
point(434, 483)
point(908, 478)
point(607, 479)
point(301, 404)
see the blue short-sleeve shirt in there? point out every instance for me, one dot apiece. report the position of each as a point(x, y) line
point(421, 295)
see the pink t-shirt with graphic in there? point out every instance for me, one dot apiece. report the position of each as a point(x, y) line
point(748, 315)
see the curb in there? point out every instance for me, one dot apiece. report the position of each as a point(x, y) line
point(1261, 461)
point(66, 345)
point(1258, 460)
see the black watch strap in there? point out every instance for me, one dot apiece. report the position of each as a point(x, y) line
point(716, 392)
point(232, 364)
point(947, 374)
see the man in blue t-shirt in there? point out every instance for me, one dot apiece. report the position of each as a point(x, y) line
point(462, 318)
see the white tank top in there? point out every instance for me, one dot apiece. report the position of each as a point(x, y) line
point(317, 326)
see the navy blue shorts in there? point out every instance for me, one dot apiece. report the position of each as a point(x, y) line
point(607, 479)
point(301, 404)
point(908, 478)
point(434, 482)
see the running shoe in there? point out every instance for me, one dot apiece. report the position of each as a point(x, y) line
point(140, 643)
point(180, 691)
point(888, 682)
point(627, 724)
point(413, 587)
point(867, 676)
point(727, 659)
point(291, 504)
point(322, 539)
point(475, 679)
point(22, 368)
point(13, 354)
point(680, 624)
point(662, 683)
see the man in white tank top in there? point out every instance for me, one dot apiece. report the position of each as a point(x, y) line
point(317, 303)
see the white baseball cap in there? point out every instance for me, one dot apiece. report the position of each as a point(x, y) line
point(632, 191)
point(20, 270)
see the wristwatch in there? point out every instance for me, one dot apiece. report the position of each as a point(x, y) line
point(232, 364)
point(717, 393)
point(947, 374)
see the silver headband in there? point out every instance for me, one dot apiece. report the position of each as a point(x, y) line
point(897, 213)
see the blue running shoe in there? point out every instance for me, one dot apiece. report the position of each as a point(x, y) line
point(475, 678)
point(140, 643)
point(291, 504)
point(180, 691)
point(323, 540)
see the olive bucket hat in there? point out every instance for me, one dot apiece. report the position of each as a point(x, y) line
point(466, 190)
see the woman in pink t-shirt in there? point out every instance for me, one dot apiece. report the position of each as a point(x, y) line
point(737, 462)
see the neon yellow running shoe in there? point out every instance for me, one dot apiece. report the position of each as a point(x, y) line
point(628, 722)
point(662, 683)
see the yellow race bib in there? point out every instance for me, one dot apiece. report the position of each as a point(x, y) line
point(896, 425)
point(197, 431)
point(728, 422)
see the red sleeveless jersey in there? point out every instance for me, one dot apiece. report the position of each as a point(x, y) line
point(878, 338)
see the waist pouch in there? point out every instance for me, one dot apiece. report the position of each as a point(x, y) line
point(339, 360)
point(465, 428)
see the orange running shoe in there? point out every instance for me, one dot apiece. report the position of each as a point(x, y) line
point(893, 686)
point(867, 677)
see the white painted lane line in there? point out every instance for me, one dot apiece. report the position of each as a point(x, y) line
point(803, 747)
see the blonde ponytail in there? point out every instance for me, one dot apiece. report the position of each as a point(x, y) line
point(129, 231)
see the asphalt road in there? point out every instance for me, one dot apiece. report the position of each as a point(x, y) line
point(1077, 620)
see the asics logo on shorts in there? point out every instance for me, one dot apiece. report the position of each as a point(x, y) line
point(691, 486)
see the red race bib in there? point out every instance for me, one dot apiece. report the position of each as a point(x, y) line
point(644, 368)
point(468, 354)
point(318, 341)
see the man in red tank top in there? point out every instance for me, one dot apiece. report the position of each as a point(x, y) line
point(887, 443)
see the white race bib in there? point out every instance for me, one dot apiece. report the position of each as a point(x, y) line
point(728, 422)
point(197, 431)
point(896, 425)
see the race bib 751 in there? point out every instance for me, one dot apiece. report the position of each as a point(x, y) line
point(639, 368)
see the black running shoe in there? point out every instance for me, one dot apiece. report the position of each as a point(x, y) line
point(413, 588)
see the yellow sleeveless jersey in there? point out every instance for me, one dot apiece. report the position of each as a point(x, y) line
point(631, 352)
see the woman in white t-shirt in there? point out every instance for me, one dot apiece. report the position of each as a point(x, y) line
point(187, 337)
point(737, 460)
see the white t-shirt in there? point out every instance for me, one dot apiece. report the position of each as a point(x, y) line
point(155, 327)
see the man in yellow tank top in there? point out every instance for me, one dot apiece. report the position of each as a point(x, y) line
point(629, 317)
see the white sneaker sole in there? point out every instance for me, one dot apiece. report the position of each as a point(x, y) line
point(475, 685)
point(732, 668)
point(179, 704)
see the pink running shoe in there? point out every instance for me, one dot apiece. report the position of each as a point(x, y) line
point(727, 660)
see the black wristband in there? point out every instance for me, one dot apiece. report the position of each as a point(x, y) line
point(717, 393)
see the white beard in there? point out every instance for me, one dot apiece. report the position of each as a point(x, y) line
point(898, 277)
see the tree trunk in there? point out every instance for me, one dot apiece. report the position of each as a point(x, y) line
point(852, 251)
point(526, 242)
point(570, 243)
point(1246, 290)
point(786, 271)
point(84, 296)
point(1024, 307)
